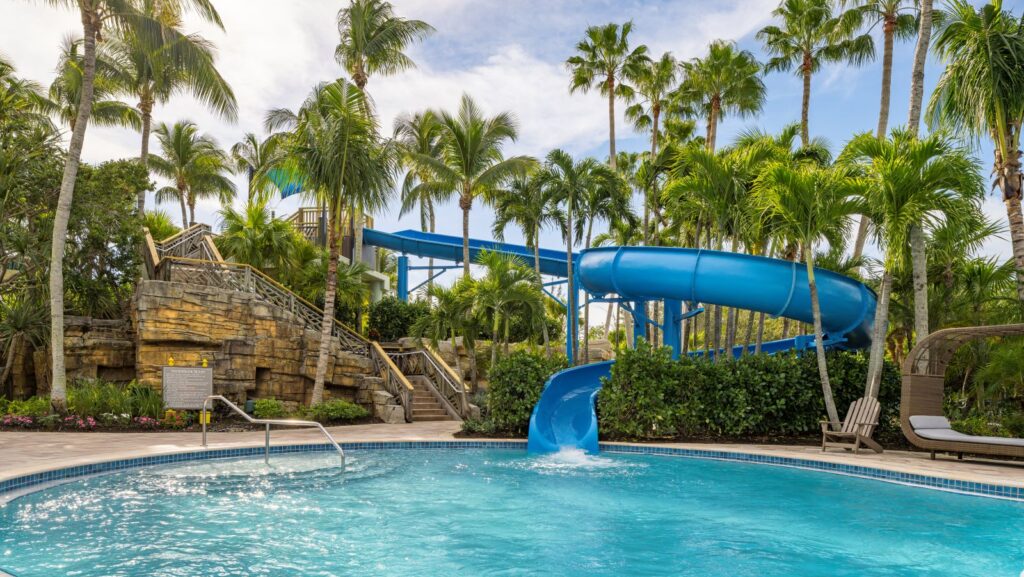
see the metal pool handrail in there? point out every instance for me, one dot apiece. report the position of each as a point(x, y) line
point(267, 422)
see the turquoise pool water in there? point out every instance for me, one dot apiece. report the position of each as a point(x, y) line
point(501, 512)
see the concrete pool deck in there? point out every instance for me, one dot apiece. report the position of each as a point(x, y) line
point(25, 453)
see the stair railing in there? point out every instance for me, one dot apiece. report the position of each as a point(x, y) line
point(394, 379)
point(447, 386)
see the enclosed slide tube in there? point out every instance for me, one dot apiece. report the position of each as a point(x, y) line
point(565, 417)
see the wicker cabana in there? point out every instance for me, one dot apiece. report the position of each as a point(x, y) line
point(924, 389)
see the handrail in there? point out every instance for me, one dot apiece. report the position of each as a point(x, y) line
point(388, 370)
point(267, 422)
point(441, 379)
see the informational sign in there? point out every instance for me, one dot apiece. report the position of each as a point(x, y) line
point(187, 387)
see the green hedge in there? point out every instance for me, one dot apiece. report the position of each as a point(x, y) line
point(651, 396)
point(515, 384)
point(391, 318)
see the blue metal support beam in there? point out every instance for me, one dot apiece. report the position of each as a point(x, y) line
point(403, 278)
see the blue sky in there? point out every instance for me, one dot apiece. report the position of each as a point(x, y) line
point(508, 54)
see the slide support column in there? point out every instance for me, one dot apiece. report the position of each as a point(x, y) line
point(403, 278)
point(639, 321)
point(673, 326)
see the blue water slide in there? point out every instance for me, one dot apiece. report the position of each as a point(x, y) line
point(565, 416)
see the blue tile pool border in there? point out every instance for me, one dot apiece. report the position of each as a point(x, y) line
point(20, 484)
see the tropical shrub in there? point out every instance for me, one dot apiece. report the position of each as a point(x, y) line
point(336, 411)
point(268, 409)
point(516, 382)
point(32, 407)
point(391, 318)
point(112, 401)
point(650, 396)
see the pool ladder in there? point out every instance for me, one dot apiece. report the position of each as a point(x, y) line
point(267, 422)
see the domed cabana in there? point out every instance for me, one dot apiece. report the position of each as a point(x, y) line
point(921, 403)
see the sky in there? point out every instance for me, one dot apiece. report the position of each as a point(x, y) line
point(507, 54)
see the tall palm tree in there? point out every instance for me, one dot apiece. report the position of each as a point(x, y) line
point(527, 204)
point(66, 90)
point(161, 66)
point(725, 82)
point(333, 151)
point(567, 181)
point(451, 314)
point(981, 94)
point(196, 166)
point(470, 162)
point(420, 133)
point(654, 82)
point(96, 15)
point(373, 41)
point(908, 181)
point(812, 34)
point(255, 158)
point(605, 62)
point(807, 205)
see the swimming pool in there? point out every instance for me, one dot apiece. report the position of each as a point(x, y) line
point(501, 512)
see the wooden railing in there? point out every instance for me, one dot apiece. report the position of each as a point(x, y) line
point(394, 379)
point(306, 220)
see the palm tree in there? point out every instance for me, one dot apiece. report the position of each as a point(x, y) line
point(66, 90)
point(567, 181)
point(22, 324)
point(420, 133)
point(450, 315)
point(159, 224)
point(527, 204)
point(196, 166)
point(725, 82)
point(334, 152)
point(470, 160)
point(909, 181)
point(981, 93)
point(812, 34)
point(124, 16)
point(655, 80)
point(620, 233)
point(254, 237)
point(373, 41)
point(255, 158)
point(507, 282)
point(604, 61)
point(807, 205)
point(159, 66)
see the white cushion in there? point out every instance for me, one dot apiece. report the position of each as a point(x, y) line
point(956, 436)
point(929, 422)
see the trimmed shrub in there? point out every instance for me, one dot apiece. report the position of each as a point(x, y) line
point(336, 411)
point(268, 409)
point(391, 318)
point(515, 384)
point(650, 396)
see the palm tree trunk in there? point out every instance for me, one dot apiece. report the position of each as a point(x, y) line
point(611, 122)
point(191, 208)
point(58, 383)
point(465, 203)
point(805, 106)
point(184, 208)
point(357, 241)
point(12, 350)
point(1016, 221)
point(875, 362)
point(327, 322)
point(571, 326)
point(919, 263)
point(430, 261)
point(146, 107)
point(540, 287)
point(495, 328)
point(712, 129)
point(924, 37)
point(819, 346)
point(750, 333)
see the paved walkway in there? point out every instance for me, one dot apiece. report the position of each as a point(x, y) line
point(23, 453)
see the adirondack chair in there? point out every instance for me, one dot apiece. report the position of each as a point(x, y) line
point(856, 430)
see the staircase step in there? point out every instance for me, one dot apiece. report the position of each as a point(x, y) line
point(431, 418)
point(428, 412)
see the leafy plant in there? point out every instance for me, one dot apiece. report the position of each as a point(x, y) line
point(336, 410)
point(32, 407)
point(516, 382)
point(268, 409)
point(391, 318)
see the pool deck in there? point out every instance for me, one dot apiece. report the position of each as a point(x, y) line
point(24, 453)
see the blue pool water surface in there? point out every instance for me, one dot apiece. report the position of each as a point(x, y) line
point(501, 512)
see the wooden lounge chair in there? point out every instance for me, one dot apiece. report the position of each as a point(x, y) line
point(856, 430)
point(921, 404)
